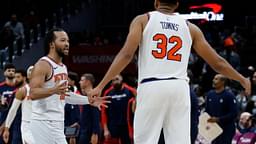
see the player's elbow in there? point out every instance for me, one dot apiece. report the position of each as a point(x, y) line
point(32, 94)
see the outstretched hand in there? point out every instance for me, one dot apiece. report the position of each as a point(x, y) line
point(246, 83)
point(99, 101)
point(96, 92)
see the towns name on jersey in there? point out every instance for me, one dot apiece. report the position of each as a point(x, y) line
point(169, 25)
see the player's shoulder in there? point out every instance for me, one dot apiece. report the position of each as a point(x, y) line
point(229, 93)
point(42, 63)
point(43, 60)
point(141, 20)
point(107, 91)
point(128, 86)
point(2, 83)
point(194, 29)
point(142, 17)
point(210, 93)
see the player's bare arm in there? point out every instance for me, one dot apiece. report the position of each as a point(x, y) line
point(126, 54)
point(41, 72)
point(219, 64)
point(19, 96)
point(73, 98)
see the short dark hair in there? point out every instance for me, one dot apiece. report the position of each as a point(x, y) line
point(73, 76)
point(225, 80)
point(50, 37)
point(89, 77)
point(22, 72)
point(169, 1)
point(9, 66)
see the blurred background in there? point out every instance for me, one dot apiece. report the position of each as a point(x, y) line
point(98, 29)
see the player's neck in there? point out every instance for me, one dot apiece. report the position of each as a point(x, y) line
point(165, 9)
point(55, 57)
point(10, 82)
point(219, 90)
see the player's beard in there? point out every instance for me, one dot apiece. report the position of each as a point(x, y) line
point(60, 52)
point(117, 86)
point(19, 84)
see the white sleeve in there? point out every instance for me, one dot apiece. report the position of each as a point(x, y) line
point(12, 112)
point(74, 98)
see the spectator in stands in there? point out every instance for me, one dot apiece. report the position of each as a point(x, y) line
point(114, 118)
point(72, 112)
point(98, 41)
point(242, 101)
point(6, 40)
point(245, 123)
point(251, 70)
point(221, 106)
point(207, 75)
point(251, 104)
point(90, 116)
point(18, 30)
point(201, 98)
point(31, 20)
point(254, 83)
point(230, 54)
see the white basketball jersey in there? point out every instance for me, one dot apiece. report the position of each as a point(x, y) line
point(52, 107)
point(165, 47)
point(26, 105)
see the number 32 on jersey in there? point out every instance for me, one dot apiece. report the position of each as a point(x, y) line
point(162, 43)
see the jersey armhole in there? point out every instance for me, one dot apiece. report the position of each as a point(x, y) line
point(51, 75)
point(189, 30)
point(148, 15)
point(146, 24)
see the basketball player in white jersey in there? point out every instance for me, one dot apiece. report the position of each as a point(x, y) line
point(21, 98)
point(49, 94)
point(164, 41)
